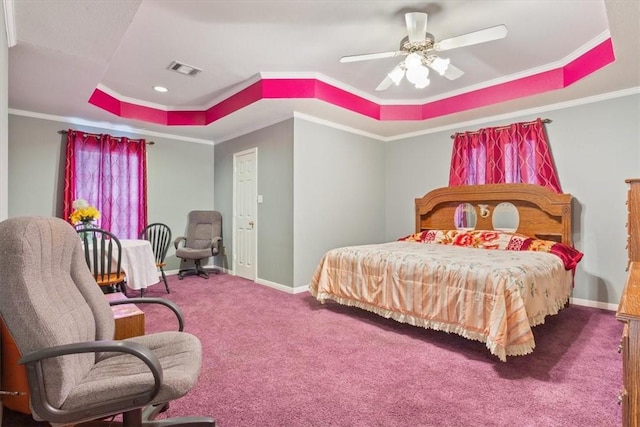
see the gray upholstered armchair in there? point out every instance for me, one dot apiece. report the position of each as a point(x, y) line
point(63, 326)
point(203, 240)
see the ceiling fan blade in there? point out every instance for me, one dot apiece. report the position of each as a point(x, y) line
point(481, 36)
point(453, 72)
point(416, 26)
point(368, 56)
point(385, 84)
point(394, 76)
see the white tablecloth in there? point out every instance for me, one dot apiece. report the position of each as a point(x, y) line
point(138, 263)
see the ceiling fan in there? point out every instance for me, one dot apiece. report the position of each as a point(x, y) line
point(420, 49)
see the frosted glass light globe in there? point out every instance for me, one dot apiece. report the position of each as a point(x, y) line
point(413, 61)
point(418, 74)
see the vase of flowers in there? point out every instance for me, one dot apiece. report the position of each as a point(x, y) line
point(83, 213)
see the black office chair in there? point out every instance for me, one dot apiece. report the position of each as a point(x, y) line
point(159, 235)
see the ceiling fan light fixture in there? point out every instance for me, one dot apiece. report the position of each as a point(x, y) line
point(413, 61)
point(440, 65)
point(419, 47)
point(418, 75)
point(396, 74)
point(423, 83)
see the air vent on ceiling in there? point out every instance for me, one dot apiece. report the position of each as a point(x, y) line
point(187, 70)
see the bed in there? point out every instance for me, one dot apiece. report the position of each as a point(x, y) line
point(485, 283)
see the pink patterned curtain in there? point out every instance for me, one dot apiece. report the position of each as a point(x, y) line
point(111, 174)
point(518, 153)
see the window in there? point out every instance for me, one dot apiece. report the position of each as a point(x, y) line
point(110, 173)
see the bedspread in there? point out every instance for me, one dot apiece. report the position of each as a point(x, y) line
point(493, 296)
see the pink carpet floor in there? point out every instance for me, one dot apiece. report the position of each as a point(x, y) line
point(275, 359)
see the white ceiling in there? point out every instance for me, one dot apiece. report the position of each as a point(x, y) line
point(67, 48)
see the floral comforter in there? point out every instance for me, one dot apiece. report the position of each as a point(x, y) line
point(493, 296)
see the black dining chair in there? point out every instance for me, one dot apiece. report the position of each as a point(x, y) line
point(103, 253)
point(159, 235)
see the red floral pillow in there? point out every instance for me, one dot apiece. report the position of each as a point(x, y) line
point(490, 239)
point(486, 239)
point(569, 256)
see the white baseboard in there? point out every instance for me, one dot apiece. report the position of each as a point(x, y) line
point(594, 304)
point(283, 288)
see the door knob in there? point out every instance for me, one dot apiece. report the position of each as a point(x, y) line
point(251, 224)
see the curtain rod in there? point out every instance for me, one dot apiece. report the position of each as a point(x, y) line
point(64, 132)
point(505, 127)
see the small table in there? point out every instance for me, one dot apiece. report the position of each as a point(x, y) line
point(128, 317)
point(139, 263)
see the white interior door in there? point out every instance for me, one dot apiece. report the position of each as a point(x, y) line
point(245, 228)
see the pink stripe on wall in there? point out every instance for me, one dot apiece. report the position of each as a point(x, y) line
point(591, 61)
point(311, 88)
point(527, 86)
point(288, 88)
point(235, 102)
point(143, 113)
point(186, 118)
point(348, 100)
point(105, 101)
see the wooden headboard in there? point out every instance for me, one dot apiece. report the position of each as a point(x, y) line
point(543, 213)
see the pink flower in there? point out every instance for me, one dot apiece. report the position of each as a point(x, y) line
point(463, 239)
point(488, 236)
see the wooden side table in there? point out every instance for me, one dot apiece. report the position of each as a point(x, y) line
point(129, 321)
point(14, 376)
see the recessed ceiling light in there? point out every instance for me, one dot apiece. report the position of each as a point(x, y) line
point(160, 89)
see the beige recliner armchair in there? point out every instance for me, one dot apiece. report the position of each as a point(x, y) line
point(203, 240)
point(63, 326)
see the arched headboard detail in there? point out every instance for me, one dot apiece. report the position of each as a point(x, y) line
point(544, 214)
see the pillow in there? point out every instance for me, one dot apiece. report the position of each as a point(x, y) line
point(416, 237)
point(485, 239)
point(569, 256)
point(491, 239)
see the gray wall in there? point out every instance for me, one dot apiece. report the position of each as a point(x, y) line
point(4, 111)
point(596, 147)
point(324, 187)
point(179, 174)
point(275, 184)
point(339, 193)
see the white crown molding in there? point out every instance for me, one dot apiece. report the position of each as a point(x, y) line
point(471, 123)
point(135, 101)
point(10, 22)
point(338, 126)
point(523, 74)
point(108, 126)
point(531, 111)
point(233, 90)
point(327, 123)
